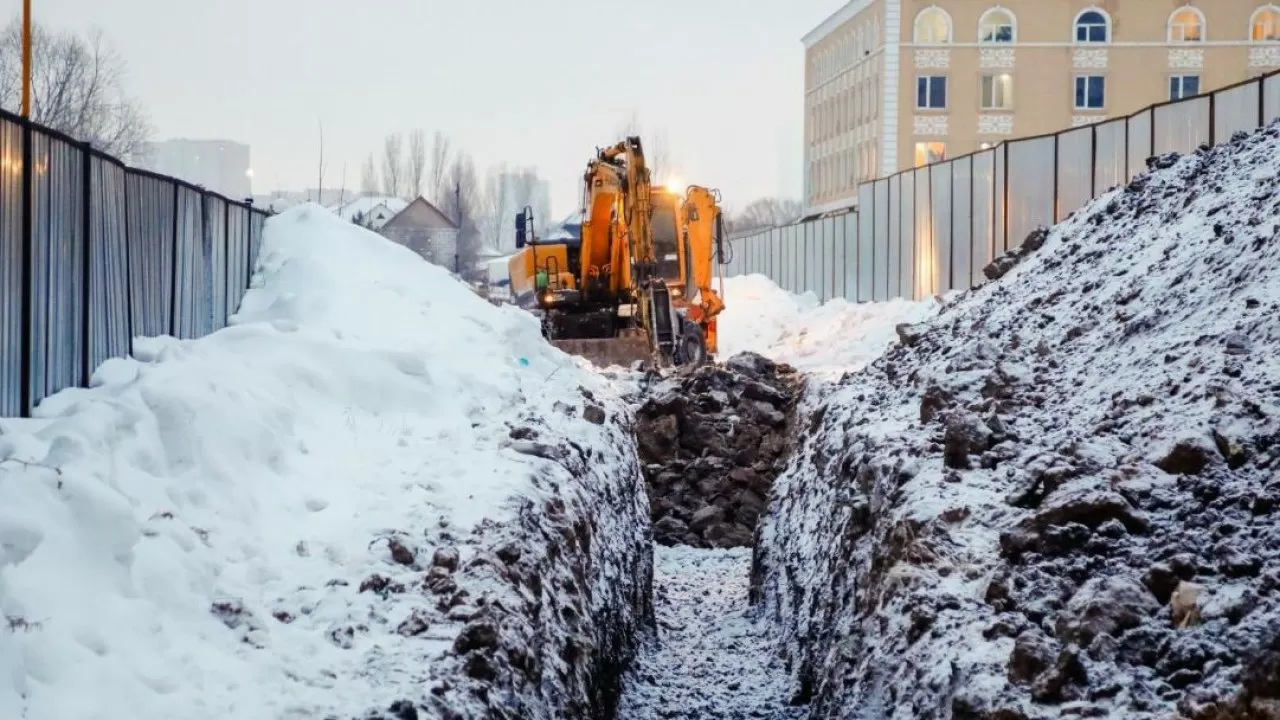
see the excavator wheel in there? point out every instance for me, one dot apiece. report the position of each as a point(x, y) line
point(691, 349)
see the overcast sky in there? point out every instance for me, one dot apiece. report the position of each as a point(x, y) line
point(532, 82)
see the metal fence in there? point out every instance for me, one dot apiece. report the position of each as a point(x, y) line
point(93, 254)
point(932, 229)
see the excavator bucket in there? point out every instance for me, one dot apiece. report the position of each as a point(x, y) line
point(623, 351)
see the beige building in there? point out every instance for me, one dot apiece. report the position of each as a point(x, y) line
point(893, 84)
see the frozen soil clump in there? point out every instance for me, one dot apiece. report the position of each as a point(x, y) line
point(1061, 497)
point(711, 443)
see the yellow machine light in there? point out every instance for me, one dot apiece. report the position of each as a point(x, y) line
point(673, 185)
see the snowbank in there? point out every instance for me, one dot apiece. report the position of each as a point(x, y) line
point(373, 487)
point(824, 339)
point(1058, 498)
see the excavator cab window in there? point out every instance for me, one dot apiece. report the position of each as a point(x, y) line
point(522, 227)
point(666, 236)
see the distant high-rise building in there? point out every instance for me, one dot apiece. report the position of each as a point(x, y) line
point(218, 165)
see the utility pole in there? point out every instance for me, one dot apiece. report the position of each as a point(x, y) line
point(457, 199)
point(26, 58)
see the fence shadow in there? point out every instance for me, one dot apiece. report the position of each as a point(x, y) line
point(932, 229)
point(94, 253)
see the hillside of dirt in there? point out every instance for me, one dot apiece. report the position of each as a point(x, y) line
point(1061, 496)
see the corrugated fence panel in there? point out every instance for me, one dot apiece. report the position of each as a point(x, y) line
point(941, 198)
point(1139, 143)
point(190, 292)
point(961, 223)
point(924, 255)
point(999, 240)
point(1235, 110)
point(893, 244)
point(216, 229)
point(237, 256)
point(866, 240)
point(1181, 126)
point(775, 255)
point(826, 262)
point(57, 204)
point(1270, 99)
point(1075, 170)
point(149, 216)
point(837, 256)
point(907, 236)
point(880, 240)
point(850, 253)
point(983, 203)
point(109, 331)
point(1031, 181)
point(1110, 154)
point(12, 260)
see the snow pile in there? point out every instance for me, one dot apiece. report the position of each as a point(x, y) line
point(374, 489)
point(823, 339)
point(1060, 497)
point(712, 656)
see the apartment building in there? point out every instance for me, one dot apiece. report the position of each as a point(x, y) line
point(893, 84)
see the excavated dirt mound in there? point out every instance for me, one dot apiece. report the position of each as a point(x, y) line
point(711, 443)
point(1061, 498)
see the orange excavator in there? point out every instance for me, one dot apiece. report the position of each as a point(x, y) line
point(636, 285)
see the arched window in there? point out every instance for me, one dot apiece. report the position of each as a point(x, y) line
point(1186, 24)
point(1264, 26)
point(997, 26)
point(933, 26)
point(1093, 26)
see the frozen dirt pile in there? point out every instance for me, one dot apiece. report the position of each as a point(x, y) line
point(1061, 497)
point(711, 443)
point(374, 495)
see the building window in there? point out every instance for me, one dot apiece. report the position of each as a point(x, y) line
point(1091, 92)
point(1183, 86)
point(933, 26)
point(930, 152)
point(996, 26)
point(1093, 26)
point(1186, 25)
point(997, 91)
point(1264, 26)
point(931, 92)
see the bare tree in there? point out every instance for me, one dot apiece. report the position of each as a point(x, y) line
point(77, 88)
point(657, 154)
point(417, 161)
point(369, 176)
point(766, 212)
point(460, 200)
point(393, 165)
point(320, 184)
point(441, 154)
point(498, 197)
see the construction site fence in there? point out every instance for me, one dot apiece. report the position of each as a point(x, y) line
point(932, 229)
point(94, 253)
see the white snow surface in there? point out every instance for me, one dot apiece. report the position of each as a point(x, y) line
point(712, 656)
point(359, 394)
point(823, 339)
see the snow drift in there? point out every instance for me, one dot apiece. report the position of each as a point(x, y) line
point(1059, 497)
point(822, 339)
point(373, 491)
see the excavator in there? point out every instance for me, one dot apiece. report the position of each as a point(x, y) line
point(636, 284)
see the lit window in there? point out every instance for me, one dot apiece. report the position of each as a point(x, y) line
point(933, 27)
point(1092, 27)
point(1186, 25)
point(1183, 86)
point(997, 92)
point(930, 152)
point(996, 26)
point(1265, 24)
point(931, 92)
point(1091, 92)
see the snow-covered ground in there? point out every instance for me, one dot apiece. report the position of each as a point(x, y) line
point(712, 656)
point(820, 339)
point(372, 487)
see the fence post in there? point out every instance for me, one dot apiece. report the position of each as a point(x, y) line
point(1093, 161)
point(28, 275)
point(248, 251)
point(128, 266)
point(1057, 160)
point(1261, 81)
point(173, 263)
point(226, 263)
point(1005, 220)
point(1213, 128)
point(86, 258)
